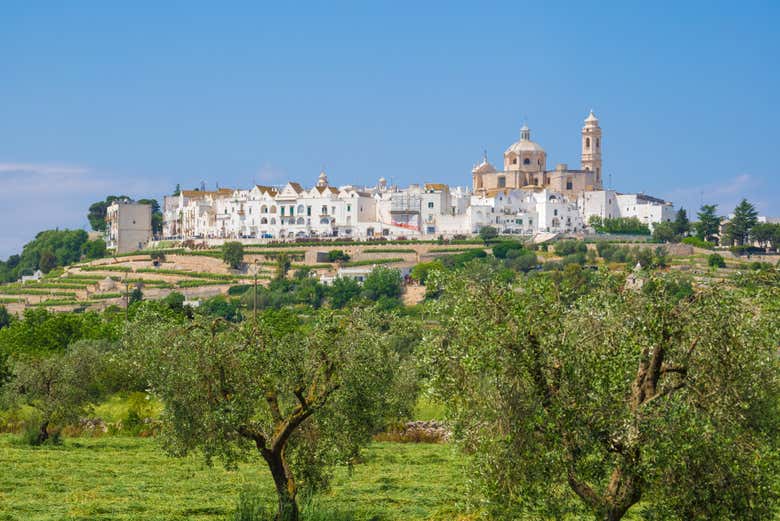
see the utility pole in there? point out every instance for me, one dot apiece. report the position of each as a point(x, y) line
point(127, 297)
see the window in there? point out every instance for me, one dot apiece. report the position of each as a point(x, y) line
point(555, 212)
point(527, 161)
point(430, 204)
point(324, 210)
point(598, 143)
point(300, 209)
point(501, 182)
point(282, 207)
point(349, 207)
point(308, 210)
point(514, 161)
point(587, 142)
point(568, 184)
point(292, 210)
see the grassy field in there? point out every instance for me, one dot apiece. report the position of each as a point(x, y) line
point(122, 478)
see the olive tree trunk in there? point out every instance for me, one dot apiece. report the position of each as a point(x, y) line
point(284, 482)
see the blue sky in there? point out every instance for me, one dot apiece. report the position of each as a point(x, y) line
point(97, 99)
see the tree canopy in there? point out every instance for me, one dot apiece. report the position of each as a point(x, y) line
point(302, 395)
point(594, 404)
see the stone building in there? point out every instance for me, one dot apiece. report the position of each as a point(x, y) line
point(525, 167)
point(129, 226)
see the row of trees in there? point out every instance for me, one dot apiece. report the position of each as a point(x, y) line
point(50, 249)
point(742, 228)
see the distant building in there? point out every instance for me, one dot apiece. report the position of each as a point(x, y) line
point(525, 198)
point(129, 226)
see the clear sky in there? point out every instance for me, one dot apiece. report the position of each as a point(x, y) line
point(97, 99)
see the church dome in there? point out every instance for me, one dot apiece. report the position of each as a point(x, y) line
point(525, 144)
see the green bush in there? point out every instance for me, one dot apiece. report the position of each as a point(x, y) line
point(238, 290)
point(716, 261)
point(698, 243)
point(501, 249)
point(629, 225)
point(337, 256)
point(564, 248)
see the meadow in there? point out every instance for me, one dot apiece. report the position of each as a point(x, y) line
point(125, 478)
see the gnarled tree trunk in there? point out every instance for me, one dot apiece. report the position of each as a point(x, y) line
point(284, 482)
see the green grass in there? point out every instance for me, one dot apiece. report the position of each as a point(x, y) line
point(10, 300)
point(389, 250)
point(20, 291)
point(120, 478)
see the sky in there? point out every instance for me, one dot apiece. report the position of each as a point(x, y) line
point(98, 98)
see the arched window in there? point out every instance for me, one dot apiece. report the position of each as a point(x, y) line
point(514, 160)
point(263, 221)
point(301, 220)
point(501, 181)
point(598, 143)
point(273, 209)
point(273, 220)
point(587, 142)
point(527, 161)
point(301, 209)
point(324, 220)
point(264, 209)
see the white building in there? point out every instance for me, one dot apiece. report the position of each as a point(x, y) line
point(608, 204)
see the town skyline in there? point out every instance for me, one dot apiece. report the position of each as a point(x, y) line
point(270, 98)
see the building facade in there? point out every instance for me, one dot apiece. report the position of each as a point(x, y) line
point(129, 226)
point(524, 198)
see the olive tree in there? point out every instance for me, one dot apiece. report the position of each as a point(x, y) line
point(302, 395)
point(61, 388)
point(662, 395)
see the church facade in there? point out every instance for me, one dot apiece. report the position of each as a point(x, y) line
point(525, 167)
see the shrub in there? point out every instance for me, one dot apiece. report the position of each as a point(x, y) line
point(564, 248)
point(501, 249)
point(236, 291)
point(716, 261)
point(337, 256)
point(574, 258)
point(233, 254)
point(630, 225)
point(487, 233)
point(698, 243)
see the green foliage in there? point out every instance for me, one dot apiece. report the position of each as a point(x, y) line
point(5, 317)
point(135, 296)
point(94, 249)
point(42, 332)
point(628, 225)
point(664, 232)
point(221, 307)
point(680, 415)
point(487, 233)
point(708, 225)
point(49, 249)
point(767, 235)
point(337, 256)
point(60, 387)
point(569, 247)
point(421, 271)
point(304, 396)
point(737, 230)
point(716, 260)
point(233, 254)
point(501, 249)
point(343, 291)
point(383, 282)
point(235, 291)
point(97, 212)
point(521, 260)
point(698, 243)
point(460, 259)
point(681, 225)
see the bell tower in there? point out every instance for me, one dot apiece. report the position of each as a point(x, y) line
point(591, 147)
